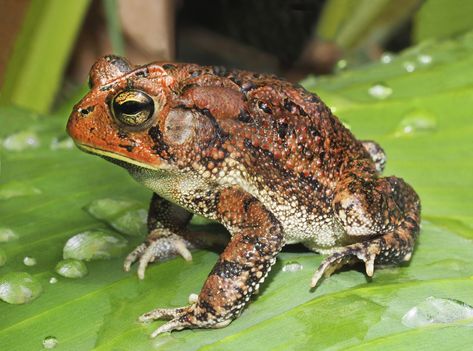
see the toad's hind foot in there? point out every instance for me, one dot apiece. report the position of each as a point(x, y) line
point(182, 317)
point(365, 252)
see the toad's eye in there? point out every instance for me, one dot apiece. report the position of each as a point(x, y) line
point(132, 107)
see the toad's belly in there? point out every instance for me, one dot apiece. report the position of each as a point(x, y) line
point(318, 232)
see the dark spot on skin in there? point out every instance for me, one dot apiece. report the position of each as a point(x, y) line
point(314, 183)
point(247, 86)
point(314, 132)
point(130, 83)
point(155, 134)
point(264, 107)
point(184, 89)
point(160, 146)
point(106, 87)
point(247, 202)
point(257, 75)
point(122, 134)
point(128, 148)
point(142, 73)
point(207, 307)
point(314, 98)
point(259, 246)
point(92, 129)
point(168, 66)
point(302, 111)
point(220, 134)
point(236, 80)
point(219, 71)
point(244, 117)
point(282, 130)
point(289, 105)
point(227, 269)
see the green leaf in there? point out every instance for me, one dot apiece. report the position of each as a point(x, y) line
point(347, 311)
point(442, 18)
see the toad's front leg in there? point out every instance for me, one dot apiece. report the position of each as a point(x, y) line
point(168, 236)
point(256, 240)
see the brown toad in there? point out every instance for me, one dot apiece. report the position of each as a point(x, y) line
point(264, 157)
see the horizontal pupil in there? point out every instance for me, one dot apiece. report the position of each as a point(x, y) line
point(131, 107)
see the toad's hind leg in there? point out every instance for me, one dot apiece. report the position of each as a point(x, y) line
point(386, 211)
point(257, 239)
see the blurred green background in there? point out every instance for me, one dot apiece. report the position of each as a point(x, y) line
point(399, 72)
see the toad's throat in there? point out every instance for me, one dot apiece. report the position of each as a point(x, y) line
point(116, 158)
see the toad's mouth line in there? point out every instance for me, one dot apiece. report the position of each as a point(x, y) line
point(112, 156)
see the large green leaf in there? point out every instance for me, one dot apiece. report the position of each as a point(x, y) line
point(43, 193)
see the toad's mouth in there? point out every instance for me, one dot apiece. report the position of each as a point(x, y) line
point(116, 158)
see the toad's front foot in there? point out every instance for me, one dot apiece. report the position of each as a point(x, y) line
point(366, 252)
point(157, 249)
point(192, 316)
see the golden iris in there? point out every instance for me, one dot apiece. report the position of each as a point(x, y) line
point(132, 107)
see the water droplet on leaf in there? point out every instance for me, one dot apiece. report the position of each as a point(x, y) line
point(15, 189)
point(292, 267)
point(380, 91)
point(416, 122)
point(193, 298)
point(94, 245)
point(7, 234)
point(386, 57)
point(29, 261)
point(424, 59)
point(126, 216)
point(53, 280)
point(20, 141)
point(409, 66)
point(19, 288)
point(437, 310)
point(71, 268)
point(62, 143)
point(341, 65)
point(50, 342)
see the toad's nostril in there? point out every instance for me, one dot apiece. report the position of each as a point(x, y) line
point(86, 111)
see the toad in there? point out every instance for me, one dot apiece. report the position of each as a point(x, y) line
point(264, 157)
